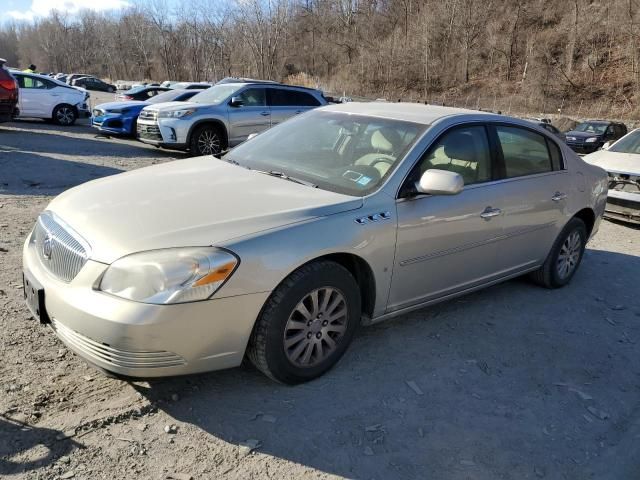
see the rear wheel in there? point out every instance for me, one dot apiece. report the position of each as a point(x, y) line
point(206, 140)
point(565, 256)
point(307, 324)
point(111, 89)
point(64, 115)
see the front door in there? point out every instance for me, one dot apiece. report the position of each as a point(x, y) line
point(447, 244)
point(252, 116)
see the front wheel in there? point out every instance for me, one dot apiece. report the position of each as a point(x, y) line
point(307, 324)
point(64, 115)
point(565, 256)
point(206, 140)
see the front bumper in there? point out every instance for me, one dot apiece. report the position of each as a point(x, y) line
point(624, 206)
point(142, 340)
point(113, 123)
point(166, 132)
point(585, 147)
point(83, 110)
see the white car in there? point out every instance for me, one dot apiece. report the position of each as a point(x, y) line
point(44, 97)
point(621, 160)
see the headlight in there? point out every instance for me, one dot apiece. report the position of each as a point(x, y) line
point(591, 139)
point(173, 275)
point(176, 113)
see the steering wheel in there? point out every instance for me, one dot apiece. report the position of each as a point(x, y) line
point(382, 160)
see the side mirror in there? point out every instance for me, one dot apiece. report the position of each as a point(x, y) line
point(440, 182)
point(236, 102)
point(606, 145)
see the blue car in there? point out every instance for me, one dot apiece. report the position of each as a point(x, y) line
point(119, 118)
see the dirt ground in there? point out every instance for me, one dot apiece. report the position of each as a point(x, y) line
point(514, 382)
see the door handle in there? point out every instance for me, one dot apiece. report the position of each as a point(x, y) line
point(265, 114)
point(489, 213)
point(558, 196)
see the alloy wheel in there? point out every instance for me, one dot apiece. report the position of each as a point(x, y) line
point(209, 142)
point(316, 327)
point(65, 116)
point(569, 255)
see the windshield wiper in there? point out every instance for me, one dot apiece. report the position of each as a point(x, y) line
point(284, 176)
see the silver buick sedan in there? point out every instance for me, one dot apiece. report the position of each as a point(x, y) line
point(347, 215)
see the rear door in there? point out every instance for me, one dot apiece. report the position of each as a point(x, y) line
point(252, 116)
point(286, 103)
point(535, 188)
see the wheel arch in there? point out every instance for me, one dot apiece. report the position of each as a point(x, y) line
point(210, 121)
point(588, 216)
point(361, 271)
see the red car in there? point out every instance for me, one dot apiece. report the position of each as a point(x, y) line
point(8, 94)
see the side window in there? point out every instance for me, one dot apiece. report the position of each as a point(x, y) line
point(280, 97)
point(253, 97)
point(525, 152)
point(31, 83)
point(463, 150)
point(556, 156)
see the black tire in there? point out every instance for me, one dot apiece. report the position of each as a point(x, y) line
point(111, 90)
point(206, 140)
point(64, 115)
point(549, 274)
point(267, 351)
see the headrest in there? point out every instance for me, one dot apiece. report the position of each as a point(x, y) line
point(386, 140)
point(460, 145)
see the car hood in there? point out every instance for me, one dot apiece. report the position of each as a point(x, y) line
point(194, 202)
point(573, 133)
point(120, 105)
point(173, 106)
point(615, 162)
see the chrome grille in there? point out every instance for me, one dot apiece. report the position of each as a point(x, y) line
point(149, 114)
point(115, 356)
point(62, 251)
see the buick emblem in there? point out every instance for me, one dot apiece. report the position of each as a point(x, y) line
point(47, 247)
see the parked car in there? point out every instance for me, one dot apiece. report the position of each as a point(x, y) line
point(8, 94)
point(142, 93)
point(73, 76)
point(226, 80)
point(120, 117)
point(621, 160)
point(223, 116)
point(349, 214)
point(44, 97)
point(590, 136)
point(190, 86)
point(93, 83)
point(543, 123)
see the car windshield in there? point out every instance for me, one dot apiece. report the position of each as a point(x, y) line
point(166, 96)
point(591, 127)
point(339, 152)
point(216, 94)
point(628, 144)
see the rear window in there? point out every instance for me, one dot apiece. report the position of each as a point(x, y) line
point(525, 152)
point(280, 97)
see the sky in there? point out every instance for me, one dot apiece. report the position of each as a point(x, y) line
point(32, 9)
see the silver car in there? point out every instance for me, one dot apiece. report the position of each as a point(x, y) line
point(347, 215)
point(223, 116)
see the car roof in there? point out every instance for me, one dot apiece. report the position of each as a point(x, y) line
point(411, 112)
point(265, 83)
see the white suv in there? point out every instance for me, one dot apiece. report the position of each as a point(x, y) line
point(44, 97)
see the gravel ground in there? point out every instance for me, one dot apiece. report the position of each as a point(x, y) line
point(513, 382)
